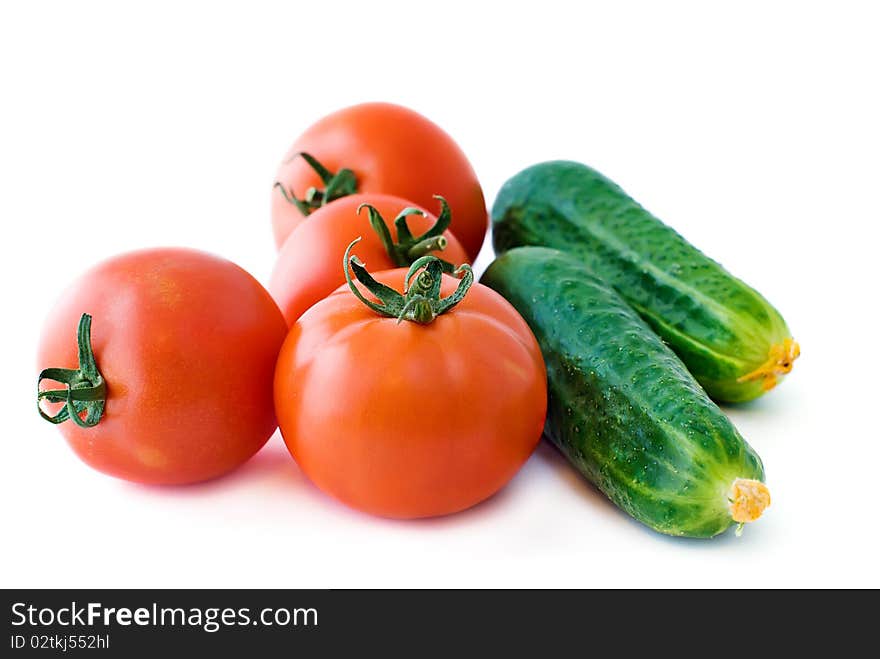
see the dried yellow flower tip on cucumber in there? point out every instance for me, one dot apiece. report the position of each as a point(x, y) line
point(748, 499)
point(734, 342)
point(779, 362)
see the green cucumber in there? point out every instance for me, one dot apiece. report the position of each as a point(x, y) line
point(732, 340)
point(623, 408)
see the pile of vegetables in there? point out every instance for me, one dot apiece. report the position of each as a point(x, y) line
point(403, 387)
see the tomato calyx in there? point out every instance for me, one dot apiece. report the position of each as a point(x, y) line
point(86, 390)
point(409, 248)
point(336, 185)
point(420, 302)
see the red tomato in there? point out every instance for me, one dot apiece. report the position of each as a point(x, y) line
point(391, 150)
point(309, 266)
point(405, 420)
point(186, 343)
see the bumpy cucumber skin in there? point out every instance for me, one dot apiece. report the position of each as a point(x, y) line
point(720, 327)
point(622, 406)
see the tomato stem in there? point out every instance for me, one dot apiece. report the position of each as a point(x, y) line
point(336, 185)
point(86, 390)
point(420, 302)
point(426, 246)
point(408, 248)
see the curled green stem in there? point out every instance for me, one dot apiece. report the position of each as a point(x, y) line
point(420, 302)
point(435, 244)
point(85, 389)
point(407, 248)
point(336, 185)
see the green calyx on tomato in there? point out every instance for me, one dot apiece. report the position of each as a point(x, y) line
point(85, 391)
point(420, 302)
point(409, 248)
point(336, 185)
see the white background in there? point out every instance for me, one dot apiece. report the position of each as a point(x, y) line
point(753, 130)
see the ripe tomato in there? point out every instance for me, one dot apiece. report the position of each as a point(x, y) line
point(402, 419)
point(388, 149)
point(309, 266)
point(186, 343)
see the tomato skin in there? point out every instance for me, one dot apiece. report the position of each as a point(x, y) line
point(309, 265)
point(407, 420)
point(391, 150)
point(186, 343)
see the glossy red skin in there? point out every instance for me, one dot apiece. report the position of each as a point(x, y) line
point(187, 343)
point(309, 265)
point(407, 420)
point(391, 150)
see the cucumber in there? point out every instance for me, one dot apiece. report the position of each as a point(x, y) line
point(732, 340)
point(623, 408)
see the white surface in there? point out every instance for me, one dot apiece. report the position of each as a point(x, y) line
point(753, 131)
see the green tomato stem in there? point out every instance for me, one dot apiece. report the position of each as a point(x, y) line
point(409, 248)
point(86, 389)
point(336, 185)
point(420, 302)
